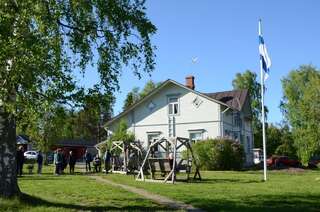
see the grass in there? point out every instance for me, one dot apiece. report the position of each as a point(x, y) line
point(218, 191)
point(72, 193)
point(242, 191)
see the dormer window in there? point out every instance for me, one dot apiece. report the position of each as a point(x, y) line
point(173, 104)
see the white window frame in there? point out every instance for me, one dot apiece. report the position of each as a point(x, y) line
point(201, 131)
point(175, 103)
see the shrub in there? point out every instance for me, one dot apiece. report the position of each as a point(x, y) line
point(219, 154)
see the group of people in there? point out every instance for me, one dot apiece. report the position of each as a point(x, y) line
point(61, 160)
point(21, 160)
point(97, 161)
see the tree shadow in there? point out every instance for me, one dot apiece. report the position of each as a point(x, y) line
point(36, 201)
point(43, 178)
point(261, 203)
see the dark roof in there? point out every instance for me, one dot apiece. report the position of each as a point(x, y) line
point(76, 142)
point(234, 99)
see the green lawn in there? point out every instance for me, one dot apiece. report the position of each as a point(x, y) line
point(242, 191)
point(218, 191)
point(72, 193)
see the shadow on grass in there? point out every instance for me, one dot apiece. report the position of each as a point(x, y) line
point(217, 180)
point(43, 178)
point(261, 203)
point(36, 201)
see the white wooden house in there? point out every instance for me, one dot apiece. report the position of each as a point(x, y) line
point(173, 109)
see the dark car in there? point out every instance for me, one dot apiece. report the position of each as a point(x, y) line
point(282, 161)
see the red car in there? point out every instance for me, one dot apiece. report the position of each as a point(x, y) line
point(281, 161)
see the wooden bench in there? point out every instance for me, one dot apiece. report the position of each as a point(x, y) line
point(159, 165)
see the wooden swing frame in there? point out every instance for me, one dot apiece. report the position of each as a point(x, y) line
point(126, 149)
point(175, 143)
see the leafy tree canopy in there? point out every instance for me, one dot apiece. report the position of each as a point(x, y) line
point(135, 95)
point(43, 44)
point(248, 80)
point(300, 105)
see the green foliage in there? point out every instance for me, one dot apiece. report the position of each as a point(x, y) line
point(135, 95)
point(132, 97)
point(45, 126)
point(300, 105)
point(248, 80)
point(45, 44)
point(149, 86)
point(219, 154)
point(287, 144)
point(121, 133)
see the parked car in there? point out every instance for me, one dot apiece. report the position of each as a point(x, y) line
point(31, 155)
point(281, 161)
point(314, 162)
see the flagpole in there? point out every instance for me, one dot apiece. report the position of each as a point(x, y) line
point(263, 118)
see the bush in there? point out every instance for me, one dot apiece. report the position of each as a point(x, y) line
point(219, 154)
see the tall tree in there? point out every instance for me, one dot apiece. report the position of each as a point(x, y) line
point(148, 87)
point(287, 143)
point(248, 80)
point(45, 127)
point(41, 42)
point(135, 95)
point(131, 98)
point(300, 105)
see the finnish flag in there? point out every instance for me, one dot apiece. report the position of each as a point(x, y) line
point(266, 62)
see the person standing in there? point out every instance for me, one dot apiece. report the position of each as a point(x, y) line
point(97, 163)
point(39, 162)
point(88, 159)
point(20, 160)
point(107, 157)
point(72, 162)
point(58, 161)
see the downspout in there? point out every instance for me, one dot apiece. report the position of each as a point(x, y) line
point(222, 123)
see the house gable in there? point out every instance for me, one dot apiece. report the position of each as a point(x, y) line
point(154, 92)
point(196, 112)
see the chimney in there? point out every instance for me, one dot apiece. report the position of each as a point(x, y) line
point(190, 82)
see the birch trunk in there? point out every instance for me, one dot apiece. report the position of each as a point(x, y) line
point(8, 165)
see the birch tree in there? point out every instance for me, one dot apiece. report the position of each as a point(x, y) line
point(44, 42)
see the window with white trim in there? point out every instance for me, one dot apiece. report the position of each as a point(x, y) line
point(196, 135)
point(173, 104)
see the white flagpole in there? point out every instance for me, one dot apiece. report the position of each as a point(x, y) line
point(263, 118)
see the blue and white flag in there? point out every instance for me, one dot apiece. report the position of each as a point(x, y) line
point(266, 62)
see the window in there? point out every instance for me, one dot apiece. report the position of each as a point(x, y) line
point(173, 105)
point(237, 120)
point(196, 135)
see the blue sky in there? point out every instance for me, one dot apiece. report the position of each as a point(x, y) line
point(224, 36)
